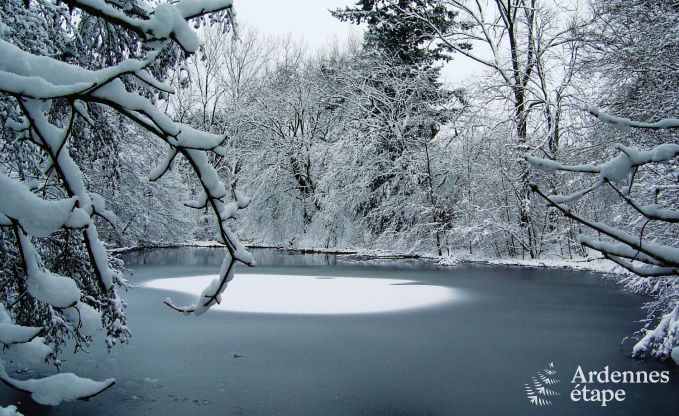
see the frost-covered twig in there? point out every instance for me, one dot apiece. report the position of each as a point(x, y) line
point(625, 123)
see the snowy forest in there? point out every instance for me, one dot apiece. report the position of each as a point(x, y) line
point(132, 123)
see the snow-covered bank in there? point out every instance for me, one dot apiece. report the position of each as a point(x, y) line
point(154, 244)
point(597, 265)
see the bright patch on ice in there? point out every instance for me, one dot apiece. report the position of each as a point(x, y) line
point(314, 294)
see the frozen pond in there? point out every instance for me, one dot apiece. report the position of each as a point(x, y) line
point(313, 335)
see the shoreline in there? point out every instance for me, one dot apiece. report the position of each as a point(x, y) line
point(596, 264)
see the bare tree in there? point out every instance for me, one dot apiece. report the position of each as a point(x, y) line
point(517, 41)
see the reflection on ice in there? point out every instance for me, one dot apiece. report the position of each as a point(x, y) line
point(313, 294)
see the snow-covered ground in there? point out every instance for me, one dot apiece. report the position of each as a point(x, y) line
point(597, 265)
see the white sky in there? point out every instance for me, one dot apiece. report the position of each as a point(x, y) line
point(310, 21)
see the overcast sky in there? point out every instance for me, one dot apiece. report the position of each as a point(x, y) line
point(310, 21)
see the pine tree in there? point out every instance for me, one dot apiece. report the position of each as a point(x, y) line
point(391, 30)
point(403, 61)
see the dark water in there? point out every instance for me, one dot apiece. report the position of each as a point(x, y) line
point(471, 357)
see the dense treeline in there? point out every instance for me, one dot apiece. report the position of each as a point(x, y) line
point(362, 145)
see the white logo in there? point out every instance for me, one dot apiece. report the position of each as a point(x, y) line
point(538, 391)
point(597, 386)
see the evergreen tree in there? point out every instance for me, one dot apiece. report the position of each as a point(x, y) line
point(391, 28)
point(412, 90)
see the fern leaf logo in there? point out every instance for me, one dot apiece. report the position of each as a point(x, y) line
point(540, 389)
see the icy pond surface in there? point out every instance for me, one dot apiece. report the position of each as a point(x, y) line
point(295, 294)
point(316, 335)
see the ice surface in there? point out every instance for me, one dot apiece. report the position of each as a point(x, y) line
point(295, 294)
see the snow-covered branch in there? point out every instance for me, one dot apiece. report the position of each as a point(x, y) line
point(50, 390)
point(53, 390)
point(637, 252)
point(166, 21)
point(626, 246)
point(50, 97)
point(625, 123)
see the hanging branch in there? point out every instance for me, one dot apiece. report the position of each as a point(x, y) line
point(34, 81)
point(647, 259)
